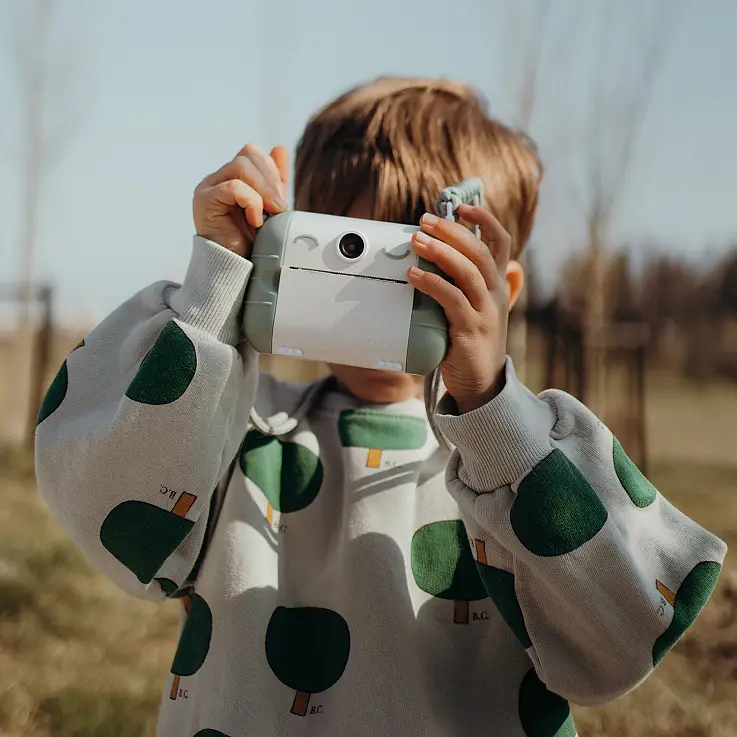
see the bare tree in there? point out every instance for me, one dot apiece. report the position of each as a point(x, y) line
point(46, 74)
point(526, 32)
point(45, 79)
point(622, 83)
point(622, 78)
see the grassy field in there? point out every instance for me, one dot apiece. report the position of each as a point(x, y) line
point(78, 658)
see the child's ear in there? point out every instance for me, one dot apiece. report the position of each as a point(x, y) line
point(515, 281)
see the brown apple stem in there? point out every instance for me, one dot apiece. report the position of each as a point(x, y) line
point(269, 514)
point(460, 615)
point(300, 703)
point(481, 552)
point(666, 593)
point(373, 459)
point(184, 504)
point(174, 688)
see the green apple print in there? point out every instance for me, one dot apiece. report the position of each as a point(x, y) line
point(541, 712)
point(194, 642)
point(308, 649)
point(443, 566)
point(171, 588)
point(54, 395)
point(555, 510)
point(142, 536)
point(499, 584)
point(288, 474)
point(638, 488)
point(379, 431)
point(57, 391)
point(687, 602)
point(167, 370)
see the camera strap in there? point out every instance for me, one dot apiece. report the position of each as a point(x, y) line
point(468, 192)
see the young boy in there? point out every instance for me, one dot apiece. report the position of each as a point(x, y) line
point(349, 576)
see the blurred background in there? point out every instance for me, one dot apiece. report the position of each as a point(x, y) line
point(113, 112)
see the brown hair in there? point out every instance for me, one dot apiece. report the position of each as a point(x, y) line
point(401, 141)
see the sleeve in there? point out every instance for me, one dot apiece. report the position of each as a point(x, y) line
point(143, 420)
point(595, 572)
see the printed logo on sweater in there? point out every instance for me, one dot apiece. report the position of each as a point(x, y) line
point(287, 473)
point(194, 643)
point(443, 566)
point(379, 432)
point(142, 536)
point(307, 648)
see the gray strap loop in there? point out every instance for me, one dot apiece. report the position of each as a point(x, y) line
point(468, 192)
point(312, 396)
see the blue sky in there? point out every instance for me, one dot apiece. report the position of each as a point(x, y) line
point(167, 92)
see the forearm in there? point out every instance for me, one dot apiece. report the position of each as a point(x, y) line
point(144, 418)
point(579, 546)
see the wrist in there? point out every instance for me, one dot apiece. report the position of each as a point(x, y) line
point(211, 295)
point(229, 243)
point(472, 402)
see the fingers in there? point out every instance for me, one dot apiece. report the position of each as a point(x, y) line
point(493, 234)
point(233, 193)
point(458, 310)
point(465, 242)
point(455, 264)
point(258, 171)
point(280, 156)
point(237, 193)
point(265, 164)
point(273, 166)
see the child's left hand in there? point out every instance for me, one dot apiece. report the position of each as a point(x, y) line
point(477, 304)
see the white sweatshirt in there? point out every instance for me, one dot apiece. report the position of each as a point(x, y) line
point(358, 580)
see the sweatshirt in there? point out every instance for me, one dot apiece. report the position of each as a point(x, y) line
point(343, 575)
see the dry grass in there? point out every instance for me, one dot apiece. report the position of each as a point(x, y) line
point(690, 421)
point(78, 658)
point(693, 692)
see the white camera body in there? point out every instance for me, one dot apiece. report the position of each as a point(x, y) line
point(334, 289)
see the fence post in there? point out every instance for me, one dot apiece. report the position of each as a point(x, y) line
point(549, 323)
point(41, 354)
point(641, 399)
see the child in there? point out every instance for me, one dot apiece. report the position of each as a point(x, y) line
point(348, 575)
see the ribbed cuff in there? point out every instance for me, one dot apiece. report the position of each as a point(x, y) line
point(211, 295)
point(502, 441)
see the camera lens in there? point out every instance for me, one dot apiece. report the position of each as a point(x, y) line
point(351, 246)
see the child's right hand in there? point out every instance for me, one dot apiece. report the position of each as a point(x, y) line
point(229, 205)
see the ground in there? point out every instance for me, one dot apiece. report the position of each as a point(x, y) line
point(78, 658)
